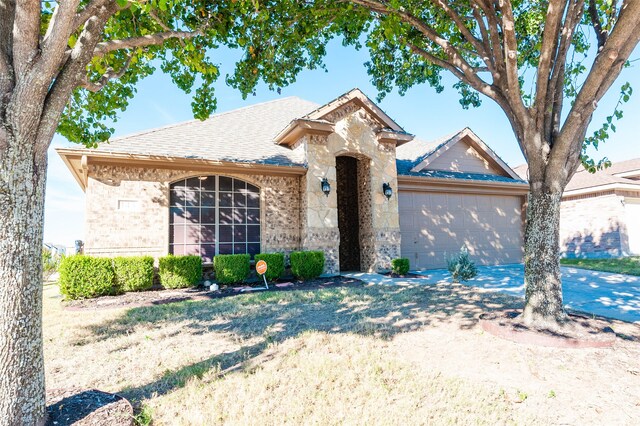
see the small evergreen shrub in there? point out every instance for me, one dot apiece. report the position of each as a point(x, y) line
point(306, 265)
point(84, 277)
point(400, 266)
point(231, 268)
point(461, 266)
point(133, 273)
point(275, 264)
point(180, 271)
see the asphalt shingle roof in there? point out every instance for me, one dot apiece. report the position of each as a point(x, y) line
point(243, 135)
point(247, 135)
point(412, 153)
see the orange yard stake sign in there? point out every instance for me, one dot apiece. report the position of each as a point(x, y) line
point(261, 268)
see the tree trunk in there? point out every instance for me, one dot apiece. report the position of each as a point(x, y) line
point(543, 285)
point(22, 186)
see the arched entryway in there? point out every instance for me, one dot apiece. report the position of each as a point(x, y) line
point(354, 212)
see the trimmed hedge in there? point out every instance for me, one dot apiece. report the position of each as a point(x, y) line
point(180, 271)
point(400, 266)
point(275, 264)
point(84, 277)
point(231, 268)
point(133, 273)
point(306, 265)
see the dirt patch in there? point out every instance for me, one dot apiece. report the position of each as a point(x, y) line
point(161, 296)
point(579, 332)
point(88, 407)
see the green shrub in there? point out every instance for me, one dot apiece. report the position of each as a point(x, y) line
point(231, 268)
point(83, 277)
point(180, 271)
point(133, 273)
point(306, 265)
point(461, 266)
point(275, 264)
point(400, 266)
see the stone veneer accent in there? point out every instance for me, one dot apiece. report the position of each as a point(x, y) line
point(295, 213)
point(593, 226)
point(113, 232)
point(380, 230)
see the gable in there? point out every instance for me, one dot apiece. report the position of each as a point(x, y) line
point(462, 157)
point(465, 152)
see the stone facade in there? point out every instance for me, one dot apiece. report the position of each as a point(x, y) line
point(593, 226)
point(142, 227)
point(128, 206)
point(380, 230)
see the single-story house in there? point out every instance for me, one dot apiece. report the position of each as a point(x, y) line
point(599, 212)
point(289, 174)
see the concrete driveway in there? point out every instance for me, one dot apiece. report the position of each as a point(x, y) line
point(601, 293)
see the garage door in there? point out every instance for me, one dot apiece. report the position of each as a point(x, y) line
point(437, 225)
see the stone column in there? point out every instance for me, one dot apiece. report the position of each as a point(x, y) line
point(320, 212)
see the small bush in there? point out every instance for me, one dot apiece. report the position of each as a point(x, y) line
point(231, 268)
point(400, 266)
point(461, 266)
point(306, 265)
point(83, 277)
point(275, 264)
point(180, 271)
point(133, 273)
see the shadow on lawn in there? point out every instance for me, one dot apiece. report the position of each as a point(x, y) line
point(272, 317)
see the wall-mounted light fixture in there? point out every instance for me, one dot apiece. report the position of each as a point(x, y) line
point(386, 190)
point(326, 188)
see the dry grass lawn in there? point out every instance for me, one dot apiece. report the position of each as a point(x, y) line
point(351, 355)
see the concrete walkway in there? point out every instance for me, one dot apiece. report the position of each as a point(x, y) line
point(601, 293)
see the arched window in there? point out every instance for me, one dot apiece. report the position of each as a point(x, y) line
point(212, 215)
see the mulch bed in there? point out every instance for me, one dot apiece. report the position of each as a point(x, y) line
point(161, 296)
point(579, 332)
point(87, 407)
point(409, 275)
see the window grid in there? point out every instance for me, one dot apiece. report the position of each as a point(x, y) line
point(227, 206)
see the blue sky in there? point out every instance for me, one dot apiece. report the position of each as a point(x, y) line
point(421, 111)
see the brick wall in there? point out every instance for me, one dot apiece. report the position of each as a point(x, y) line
point(593, 227)
point(127, 210)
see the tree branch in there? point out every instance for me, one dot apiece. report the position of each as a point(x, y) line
point(601, 33)
point(486, 39)
point(73, 71)
point(89, 10)
point(143, 41)
point(26, 35)
point(512, 91)
point(109, 75)
point(56, 38)
point(555, 89)
point(548, 54)
point(453, 15)
point(607, 66)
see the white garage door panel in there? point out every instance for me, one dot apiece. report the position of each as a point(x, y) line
point(437, 224)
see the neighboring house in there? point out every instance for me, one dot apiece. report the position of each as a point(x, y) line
point(250, 180)
point(600, 212)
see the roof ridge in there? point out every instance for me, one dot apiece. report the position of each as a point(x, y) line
point(195, 120)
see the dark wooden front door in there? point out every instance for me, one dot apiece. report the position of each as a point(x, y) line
point(348, 217)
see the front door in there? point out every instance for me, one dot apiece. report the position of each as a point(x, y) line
point(348, 217)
